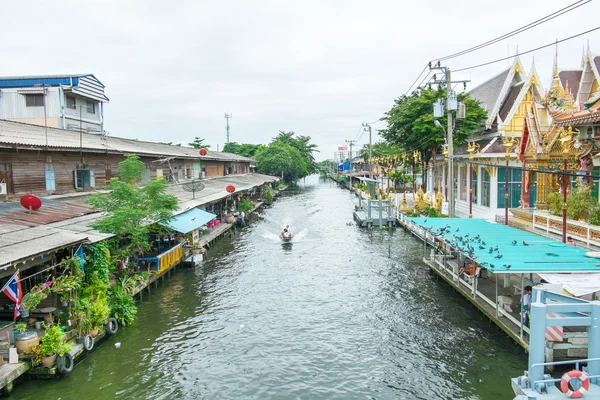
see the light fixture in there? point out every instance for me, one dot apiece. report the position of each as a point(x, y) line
point(437, 123)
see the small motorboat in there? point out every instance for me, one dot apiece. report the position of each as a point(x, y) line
point(286, 236)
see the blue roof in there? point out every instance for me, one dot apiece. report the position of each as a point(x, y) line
point(189, 220)
point(51, 80)
point(540, 254)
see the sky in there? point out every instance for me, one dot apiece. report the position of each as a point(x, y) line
point(172, 69)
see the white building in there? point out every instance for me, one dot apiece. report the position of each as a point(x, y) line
point(342, 154)
point(71, 102)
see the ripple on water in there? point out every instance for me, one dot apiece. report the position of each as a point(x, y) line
point(342, 313)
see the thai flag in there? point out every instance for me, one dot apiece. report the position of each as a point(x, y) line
point(12, 289)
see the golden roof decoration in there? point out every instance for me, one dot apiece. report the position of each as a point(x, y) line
point(559, 99)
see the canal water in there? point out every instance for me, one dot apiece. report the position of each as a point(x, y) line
point(341, 313)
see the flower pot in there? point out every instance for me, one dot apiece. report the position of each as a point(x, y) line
point(48, 319)
point(79, 340)
point(49, 361)
point(38, 325)
point(64, 303)
point(24, 313)
point(94, 332)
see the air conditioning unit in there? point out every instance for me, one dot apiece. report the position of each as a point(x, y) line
point(3, 190)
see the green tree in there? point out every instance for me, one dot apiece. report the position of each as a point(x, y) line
point(303, 145)
point(280, 157)
point(410, 123)
point(198, 143)
point(130, 208)
point(243, 149)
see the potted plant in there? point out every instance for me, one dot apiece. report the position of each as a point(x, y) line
point(53, 345)
point(84, 324)
point(99, 312)
point(20, 327)
point(32, 299)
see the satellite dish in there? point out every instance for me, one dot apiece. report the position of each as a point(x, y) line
point(31, 202)
point(230, 188)
point(193, 186)
point(203, 152)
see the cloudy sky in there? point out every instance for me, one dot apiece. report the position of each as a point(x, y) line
point(319, 68)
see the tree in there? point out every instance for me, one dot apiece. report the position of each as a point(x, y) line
point(130, 208)
point(303, 145)
point(410, 123)
point(280, 157)
point(198, 143)
point(243, 149)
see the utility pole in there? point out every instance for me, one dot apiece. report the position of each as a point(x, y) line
point(227, 116)
point(370, 151)
point(351, 143)
point(450, 133)
point(450, 147)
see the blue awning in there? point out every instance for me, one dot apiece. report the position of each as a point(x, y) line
point(189, 220)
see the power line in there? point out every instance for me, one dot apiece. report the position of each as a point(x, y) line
point(515, 32)
point(533, 24)
point(527, 52)
point(413, 84)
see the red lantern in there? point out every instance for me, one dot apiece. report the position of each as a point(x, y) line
point(230, 188)
point(203, 152)
point(31, 202)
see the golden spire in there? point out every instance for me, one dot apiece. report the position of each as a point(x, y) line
point(559, 99)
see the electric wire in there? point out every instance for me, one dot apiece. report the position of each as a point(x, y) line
point(515, 32)
point(527, 52)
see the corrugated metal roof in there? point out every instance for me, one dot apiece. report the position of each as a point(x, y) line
point(23, 237)
point(84, 84)
point(214, 189)
point(19, 243)
point(51, 211)
point(34, 136)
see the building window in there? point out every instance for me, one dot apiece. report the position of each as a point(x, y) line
point(485, 188)
point(514, 187)
point(474, 177)
point(34, 100)
point(84, 178)
point(91, 107)
point(463, 183)
point(71, 103)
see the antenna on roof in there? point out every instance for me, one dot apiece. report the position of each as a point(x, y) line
point(227, 116)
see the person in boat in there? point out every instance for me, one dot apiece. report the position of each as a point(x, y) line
point(286, 234)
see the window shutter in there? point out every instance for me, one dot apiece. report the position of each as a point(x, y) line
point(92, 178)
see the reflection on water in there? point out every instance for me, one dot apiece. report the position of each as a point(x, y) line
point(338, 313)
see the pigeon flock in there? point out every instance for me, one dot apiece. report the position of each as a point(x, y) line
point(468, 242)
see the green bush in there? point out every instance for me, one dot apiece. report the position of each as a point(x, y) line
point(579, 202)
point(53, 342)
point(554, 201)
point(122, 307)
point(245, 205)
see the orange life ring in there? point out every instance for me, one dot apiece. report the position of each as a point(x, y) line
point(564, 384)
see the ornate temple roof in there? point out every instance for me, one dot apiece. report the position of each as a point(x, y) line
point(508, 103)
point(488, 92)
point(570, 79)
point(588, 116)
